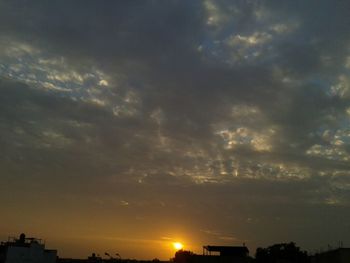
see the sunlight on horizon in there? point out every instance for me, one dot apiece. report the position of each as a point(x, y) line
point(177, 245)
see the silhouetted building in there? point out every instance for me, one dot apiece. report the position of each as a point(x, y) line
point(227, 251)
point(91, 259)
point(340, 255)
point(26, 250)
point(215, 254)
point(281, 253)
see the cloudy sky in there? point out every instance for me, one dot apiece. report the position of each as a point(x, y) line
point(127, 125)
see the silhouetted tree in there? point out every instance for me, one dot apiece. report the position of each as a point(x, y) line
point(285, 252)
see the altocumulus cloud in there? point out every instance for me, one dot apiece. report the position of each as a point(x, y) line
point(240, 107)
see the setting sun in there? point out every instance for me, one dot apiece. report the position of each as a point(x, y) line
point(177, 245)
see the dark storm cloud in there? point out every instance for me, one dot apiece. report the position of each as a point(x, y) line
point(237, 103)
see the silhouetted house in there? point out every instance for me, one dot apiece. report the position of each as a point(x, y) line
point(91, 259)
point(227, 251)
point(340, 255)
point(215, 254)
point(281, 253)
point(26, 250)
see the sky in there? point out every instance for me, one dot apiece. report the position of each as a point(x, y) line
point(128, 125)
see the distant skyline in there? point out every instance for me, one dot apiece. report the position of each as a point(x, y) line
point(126, 126)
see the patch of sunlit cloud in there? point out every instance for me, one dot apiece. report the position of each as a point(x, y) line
point(259, 141)
point(329, 152)
point(26, 63)
point(342, 87)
